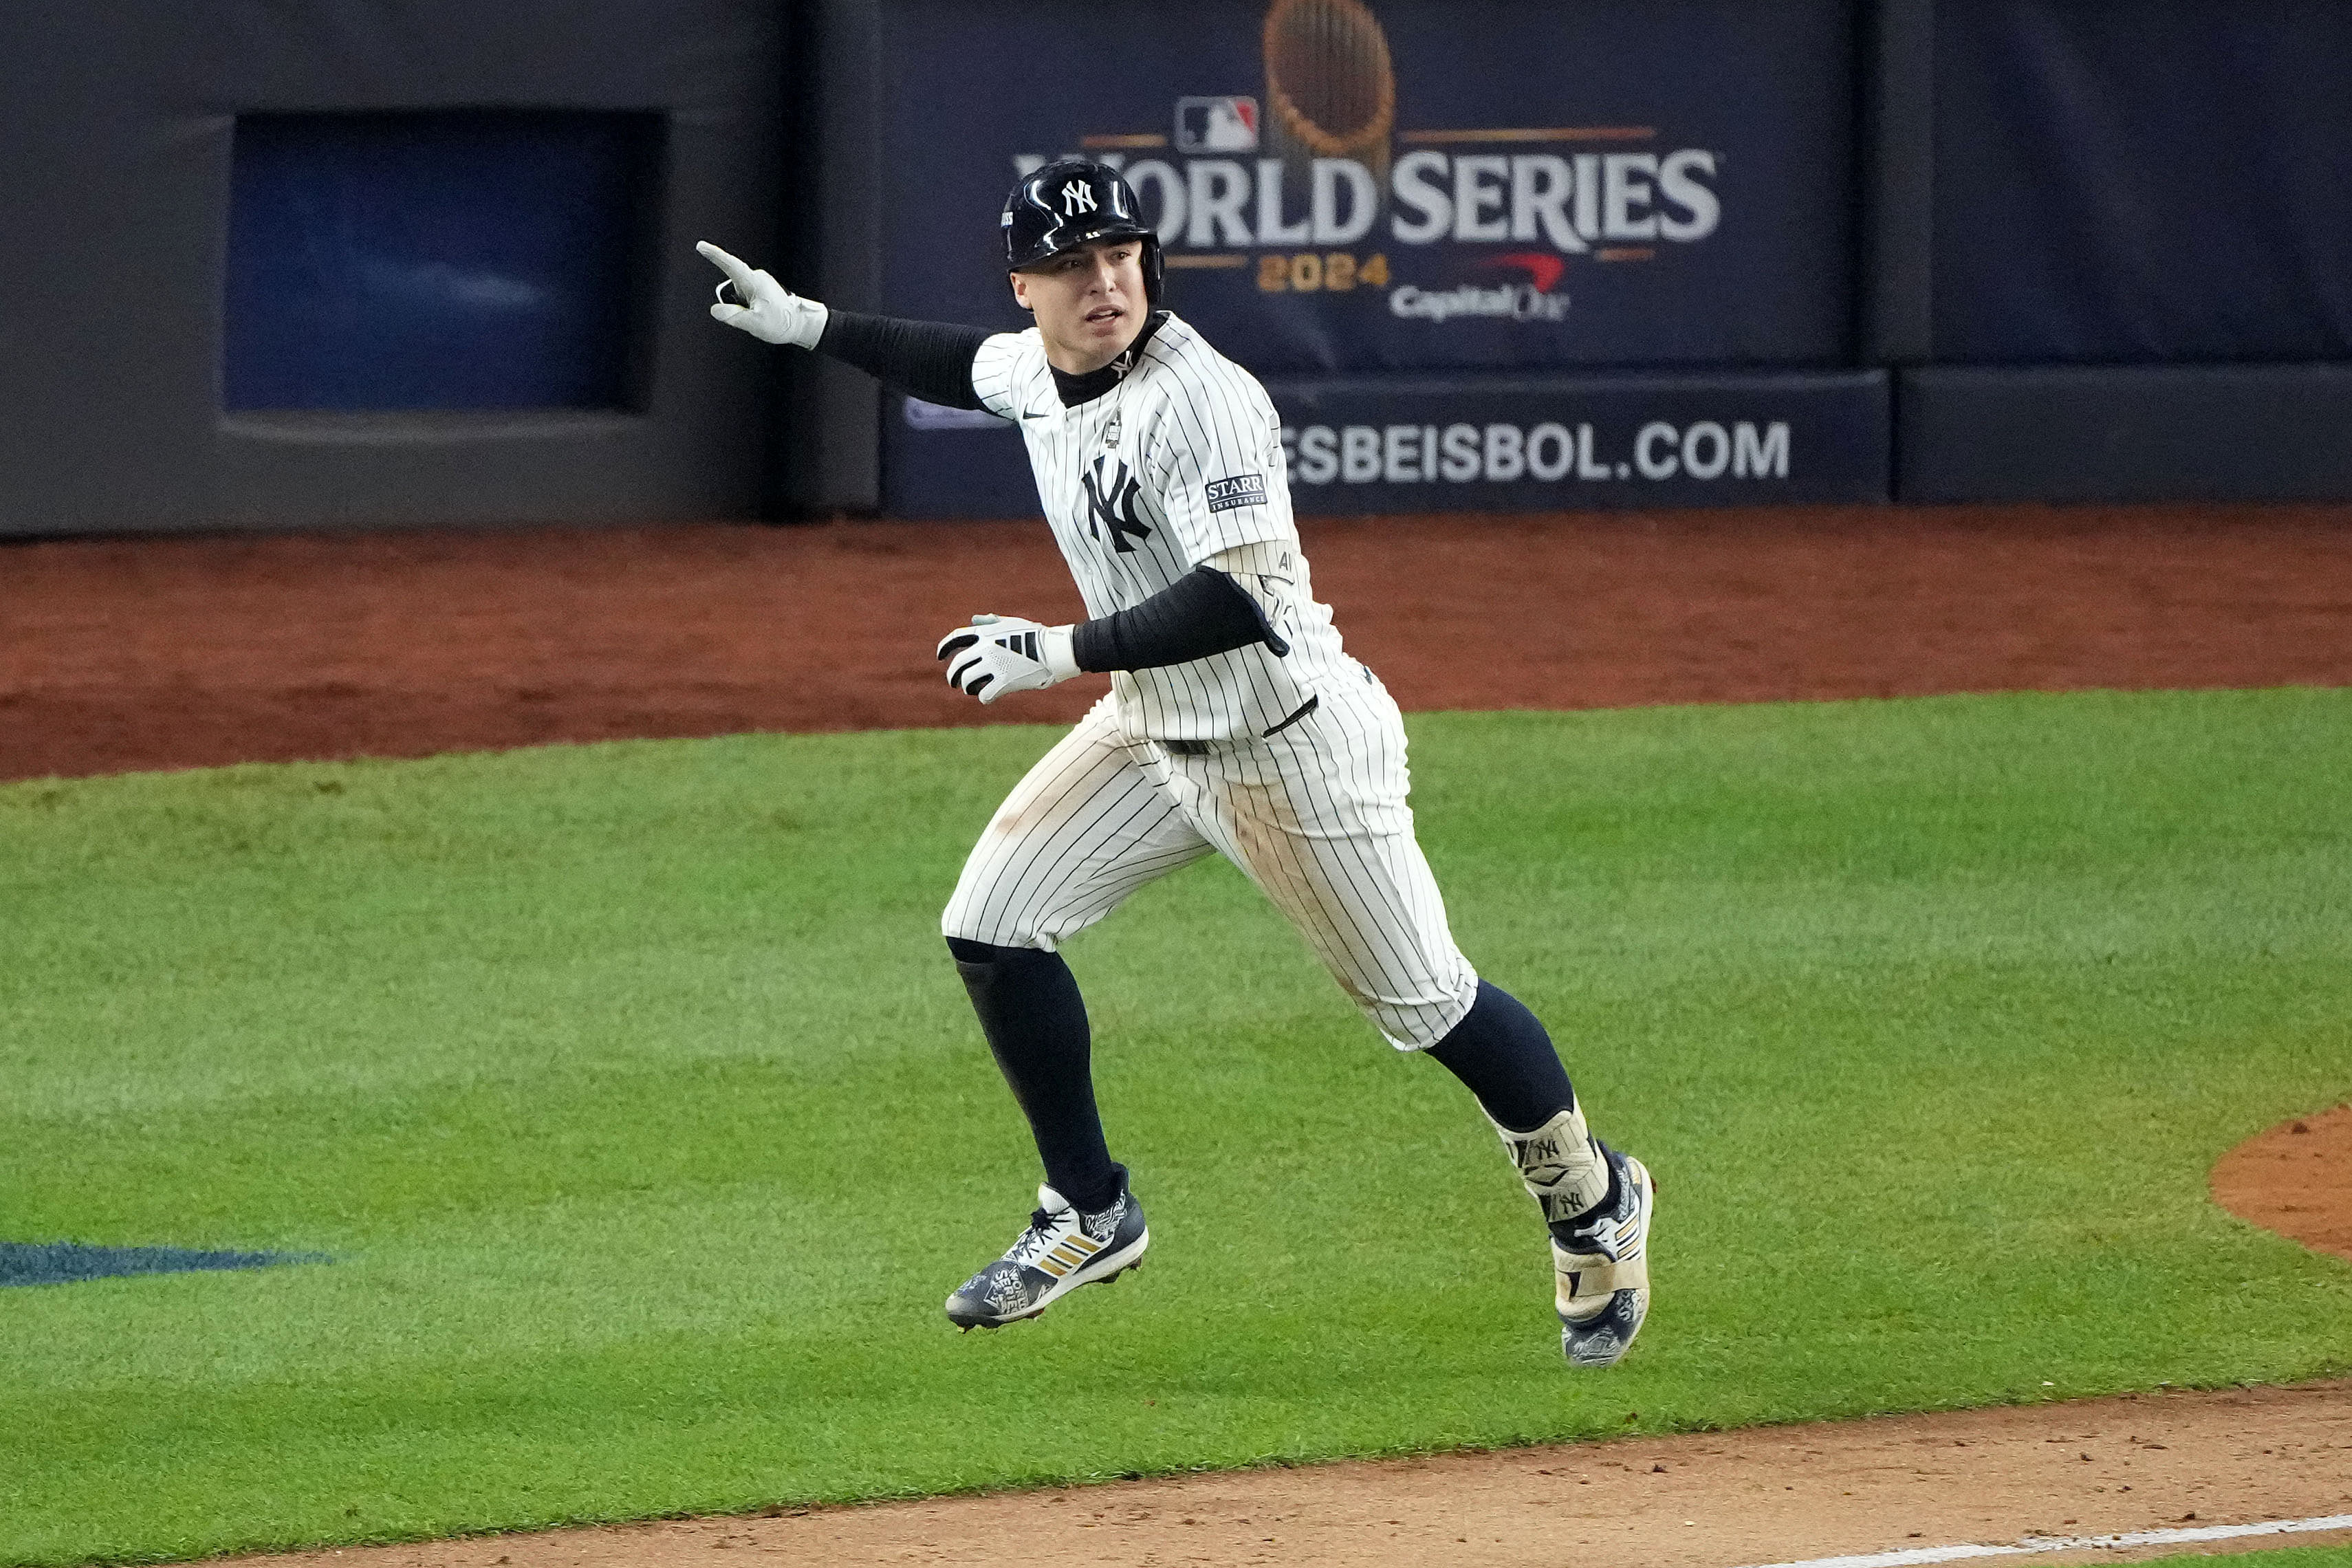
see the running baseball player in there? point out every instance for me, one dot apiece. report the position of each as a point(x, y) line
point(1236, 724)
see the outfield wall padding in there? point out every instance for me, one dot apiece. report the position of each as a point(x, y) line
point(1358, 445)
point(2125, 433)
point(114, 233)
point(2140, 284)
point(1618, 215)
point(831, 415)
point(1500, 185)
point(2143, 181)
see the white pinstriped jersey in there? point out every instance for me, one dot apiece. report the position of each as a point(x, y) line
point(1180, 460)
point(1303, 783)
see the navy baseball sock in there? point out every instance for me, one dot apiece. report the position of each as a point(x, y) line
point(1036, 1022)
point(1502, 1054)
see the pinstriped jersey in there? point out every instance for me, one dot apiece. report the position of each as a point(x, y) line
point(1178, 461)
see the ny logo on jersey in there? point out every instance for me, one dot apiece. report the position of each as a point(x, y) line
point(1112, 501)
point(1077, 198)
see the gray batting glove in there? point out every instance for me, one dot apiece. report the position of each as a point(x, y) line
point(768, 310)
point(997, 654)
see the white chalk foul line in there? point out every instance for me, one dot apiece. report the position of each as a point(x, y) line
point(2076, 1543)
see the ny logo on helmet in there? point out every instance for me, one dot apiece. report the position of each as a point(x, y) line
point(1076, 198)
point(1112, 501)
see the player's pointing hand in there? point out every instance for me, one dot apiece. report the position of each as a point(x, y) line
point(997, 654)
point(767, 309)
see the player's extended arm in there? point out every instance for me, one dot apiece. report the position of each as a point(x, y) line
point(930, 359)
point(1204, 613)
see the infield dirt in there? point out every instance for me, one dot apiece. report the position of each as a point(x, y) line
point(124, 654)
point(119, 655)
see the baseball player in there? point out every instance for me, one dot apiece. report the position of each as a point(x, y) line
point(1237, 724)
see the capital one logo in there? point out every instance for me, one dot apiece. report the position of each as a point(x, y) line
point(1077, 198)
point(1111, 503)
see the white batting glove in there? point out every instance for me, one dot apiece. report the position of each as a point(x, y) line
point(997, 654)
point(768, 310)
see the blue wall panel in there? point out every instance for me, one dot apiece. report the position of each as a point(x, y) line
point(1416, 217)
point(2126, 433)
point(2143, 179)
point(1501, 186)
point(1422, 444)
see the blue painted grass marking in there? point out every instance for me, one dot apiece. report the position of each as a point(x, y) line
point(70, 1262)
point(2076, 1543)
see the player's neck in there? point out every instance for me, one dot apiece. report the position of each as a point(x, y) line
point(1085, 385)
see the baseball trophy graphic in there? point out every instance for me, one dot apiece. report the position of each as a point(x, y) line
point(1330, 90)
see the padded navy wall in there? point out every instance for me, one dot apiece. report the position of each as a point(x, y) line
point(2141, 253)
point(2127, 433)
point(1555, 186)
point(2107, 243)
point(2143, 181)
point(1370, 444)
point(116, 185)
point(1589, 218)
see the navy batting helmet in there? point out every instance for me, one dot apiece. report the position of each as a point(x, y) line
point(1070, 202)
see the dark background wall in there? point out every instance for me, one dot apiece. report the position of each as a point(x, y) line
point(362, 262)
point(115, 185)
point(2127, 183)
point(1570, 223)
point(2138, 227)
point(2077, 250)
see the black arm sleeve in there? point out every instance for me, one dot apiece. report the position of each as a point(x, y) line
point(930, 359)
point(1202, 613)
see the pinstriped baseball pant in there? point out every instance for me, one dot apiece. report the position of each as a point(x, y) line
point(1316, 815)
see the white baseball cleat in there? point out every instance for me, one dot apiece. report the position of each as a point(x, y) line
point(1061, 1250)
point(1603, 1270)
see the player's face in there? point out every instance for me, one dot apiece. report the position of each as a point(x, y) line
point(1088, 300)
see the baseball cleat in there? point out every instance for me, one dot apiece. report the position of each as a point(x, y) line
point(1061, 1250)
point(1603, 1269)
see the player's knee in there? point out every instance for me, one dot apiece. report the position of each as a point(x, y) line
point(959, 926)
point(1415, 1022)
point(992, 958)
point(972, 921)
point(962, 921)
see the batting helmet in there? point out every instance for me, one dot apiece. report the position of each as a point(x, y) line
point(1070, 202)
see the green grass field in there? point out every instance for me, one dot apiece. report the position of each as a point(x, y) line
point(631, 1090)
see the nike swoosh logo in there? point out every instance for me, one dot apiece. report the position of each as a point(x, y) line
point(1036, 416)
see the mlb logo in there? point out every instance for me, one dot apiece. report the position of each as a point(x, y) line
point(1216, 125)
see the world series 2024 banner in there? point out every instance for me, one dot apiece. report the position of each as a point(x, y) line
point(1406, 185)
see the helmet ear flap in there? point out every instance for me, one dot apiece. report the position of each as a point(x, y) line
point(1154, 269)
